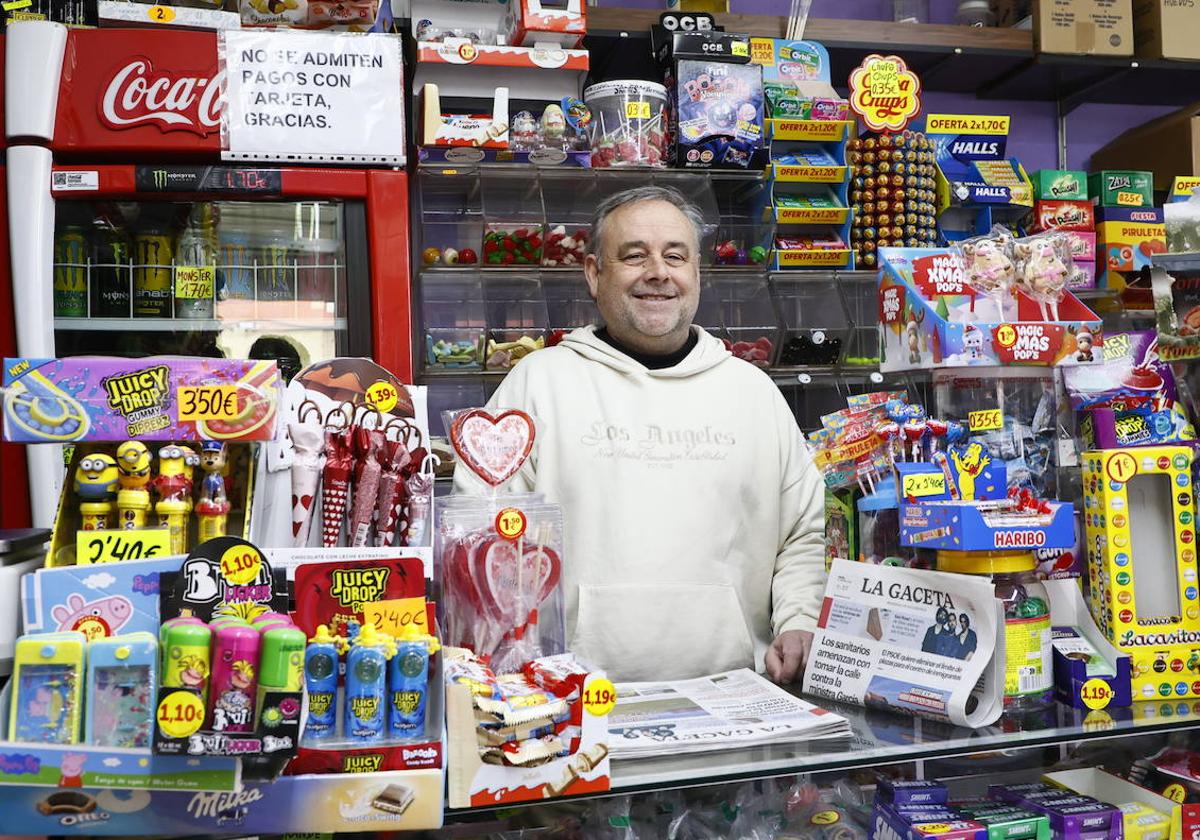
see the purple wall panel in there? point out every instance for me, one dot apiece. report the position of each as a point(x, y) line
point(1032, 139)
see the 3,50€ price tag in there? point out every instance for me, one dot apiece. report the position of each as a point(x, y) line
point(180, 714)
point(207, 402)
point(111, 546)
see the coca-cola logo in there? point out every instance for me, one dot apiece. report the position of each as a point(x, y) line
point(138, 94)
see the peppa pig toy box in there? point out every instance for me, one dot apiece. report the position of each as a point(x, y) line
point(931, 318)
point(98, 601)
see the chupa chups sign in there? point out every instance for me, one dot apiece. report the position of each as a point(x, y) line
point(124, 92)
point(885, 93)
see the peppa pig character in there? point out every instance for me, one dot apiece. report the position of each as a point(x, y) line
point(95, 619)
point(72, 770)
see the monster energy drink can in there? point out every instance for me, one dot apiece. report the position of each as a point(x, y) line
point(111, 273)
point(276, 271)
point(70, 273)
point(152, 257)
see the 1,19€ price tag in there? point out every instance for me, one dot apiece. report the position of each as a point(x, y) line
point(113, 545)
point(1095, 694)
point(207, 402)
point(180, 714)
point(599, 697)
point(240, 564)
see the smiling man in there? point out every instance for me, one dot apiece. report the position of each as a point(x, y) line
point(694, 515)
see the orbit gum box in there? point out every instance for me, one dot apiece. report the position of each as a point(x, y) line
point(101, 398)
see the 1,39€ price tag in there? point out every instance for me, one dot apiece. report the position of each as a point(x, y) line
point(180, 714)
point(112, 545)
point(207, 402)
point(987, 420)
point(599, 697)
point(240, 564)
point(1095, 694)
point(382, 395)
point(917, 485)
point(195, 282)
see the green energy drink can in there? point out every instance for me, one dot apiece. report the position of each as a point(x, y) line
point(152, 278)
point(70, 273)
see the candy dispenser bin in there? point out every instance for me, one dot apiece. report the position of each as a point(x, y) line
point(708, 314)
point(861, 302)
point(514, 218)
point(516, 315)
point(569, 199)
point(452, 310)
point(815, 325)
point(751, 321)
point(568, 306)
point(451, 212)
point(742, 237)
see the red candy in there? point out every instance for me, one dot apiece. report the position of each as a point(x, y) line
point(561, 249)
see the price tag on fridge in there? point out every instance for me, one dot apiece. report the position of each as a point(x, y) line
point(111, 546)
point(207, 402)
point(195, 282)
point(160, 14)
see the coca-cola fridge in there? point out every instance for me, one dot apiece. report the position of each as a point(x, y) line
point(129, 237)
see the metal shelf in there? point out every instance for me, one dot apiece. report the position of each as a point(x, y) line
point(193, 325)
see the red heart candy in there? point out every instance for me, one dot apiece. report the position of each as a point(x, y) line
point(493, 447)
point(496, 576)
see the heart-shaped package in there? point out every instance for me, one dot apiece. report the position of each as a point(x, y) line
point(493, 446)
point(510, 585)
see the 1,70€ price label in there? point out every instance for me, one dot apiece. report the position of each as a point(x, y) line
point(599, 697)
point(180, 714)
point(207, 402)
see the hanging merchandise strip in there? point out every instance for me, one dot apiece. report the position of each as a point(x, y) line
point(293, 97)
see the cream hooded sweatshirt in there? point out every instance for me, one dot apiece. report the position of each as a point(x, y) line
point(694, 516)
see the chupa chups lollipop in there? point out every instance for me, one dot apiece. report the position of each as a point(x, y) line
point(889, 432)
point(913, 430)
point(1044, 271)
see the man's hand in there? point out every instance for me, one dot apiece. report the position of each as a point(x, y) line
point(787, 654)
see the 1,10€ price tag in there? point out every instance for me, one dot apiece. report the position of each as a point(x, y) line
point(180, 714)
point(240, 564)
point(207, 402)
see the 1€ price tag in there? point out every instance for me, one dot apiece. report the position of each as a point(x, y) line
point(382, 395)
point(393, 616)
point(111, 546)
point(599, 697)
point(161, 14)
point(511, 523)
point(241, 564)
point(917, 485)
point(987, 420)
point(180, 714)
point(207, 402)
point(195, 282)
point(1095, 694)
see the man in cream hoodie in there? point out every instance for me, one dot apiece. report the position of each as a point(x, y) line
point(694, 516)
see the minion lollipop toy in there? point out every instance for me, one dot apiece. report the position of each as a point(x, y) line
point(96, 486)
point(190, 461)
point(213, 506)
point(174, 489)
point(133, 499)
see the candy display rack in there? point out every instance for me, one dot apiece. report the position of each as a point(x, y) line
point(751, 320)
point(862, 313)
point(816, 327)
point(568, 305)
point(742, 238)
point(455, 322)
point(452, 217)
point(516, 317)
point(810, 181)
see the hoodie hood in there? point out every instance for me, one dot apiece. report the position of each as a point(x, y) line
point(708, 353)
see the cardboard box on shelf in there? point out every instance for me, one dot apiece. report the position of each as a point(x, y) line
point(1167, 146)
point(1166, 29)
point(1083, 27)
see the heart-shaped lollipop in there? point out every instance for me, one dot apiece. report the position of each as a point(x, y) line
point(511, 584)
point(493, 446)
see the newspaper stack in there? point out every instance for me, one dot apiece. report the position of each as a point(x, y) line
point(726, 711)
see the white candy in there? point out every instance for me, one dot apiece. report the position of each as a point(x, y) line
point(560, 229)
point(450, 256)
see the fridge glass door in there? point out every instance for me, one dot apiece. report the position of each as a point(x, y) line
point(238, 279)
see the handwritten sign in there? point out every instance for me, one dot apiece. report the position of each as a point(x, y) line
point(917, 485)
point(885, 93)
point(207, 402)
point(112, 546)
point(392, 616)
point(987, 420)
point(195, 282)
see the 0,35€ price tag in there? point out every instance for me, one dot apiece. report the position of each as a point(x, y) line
point(1095, 693)
point(195, 282)
point(240, 564)
point(207, 402)
point(637, 110)
point(113, 545)
point(180, 714)
point(599, 697)
point(987, 420)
